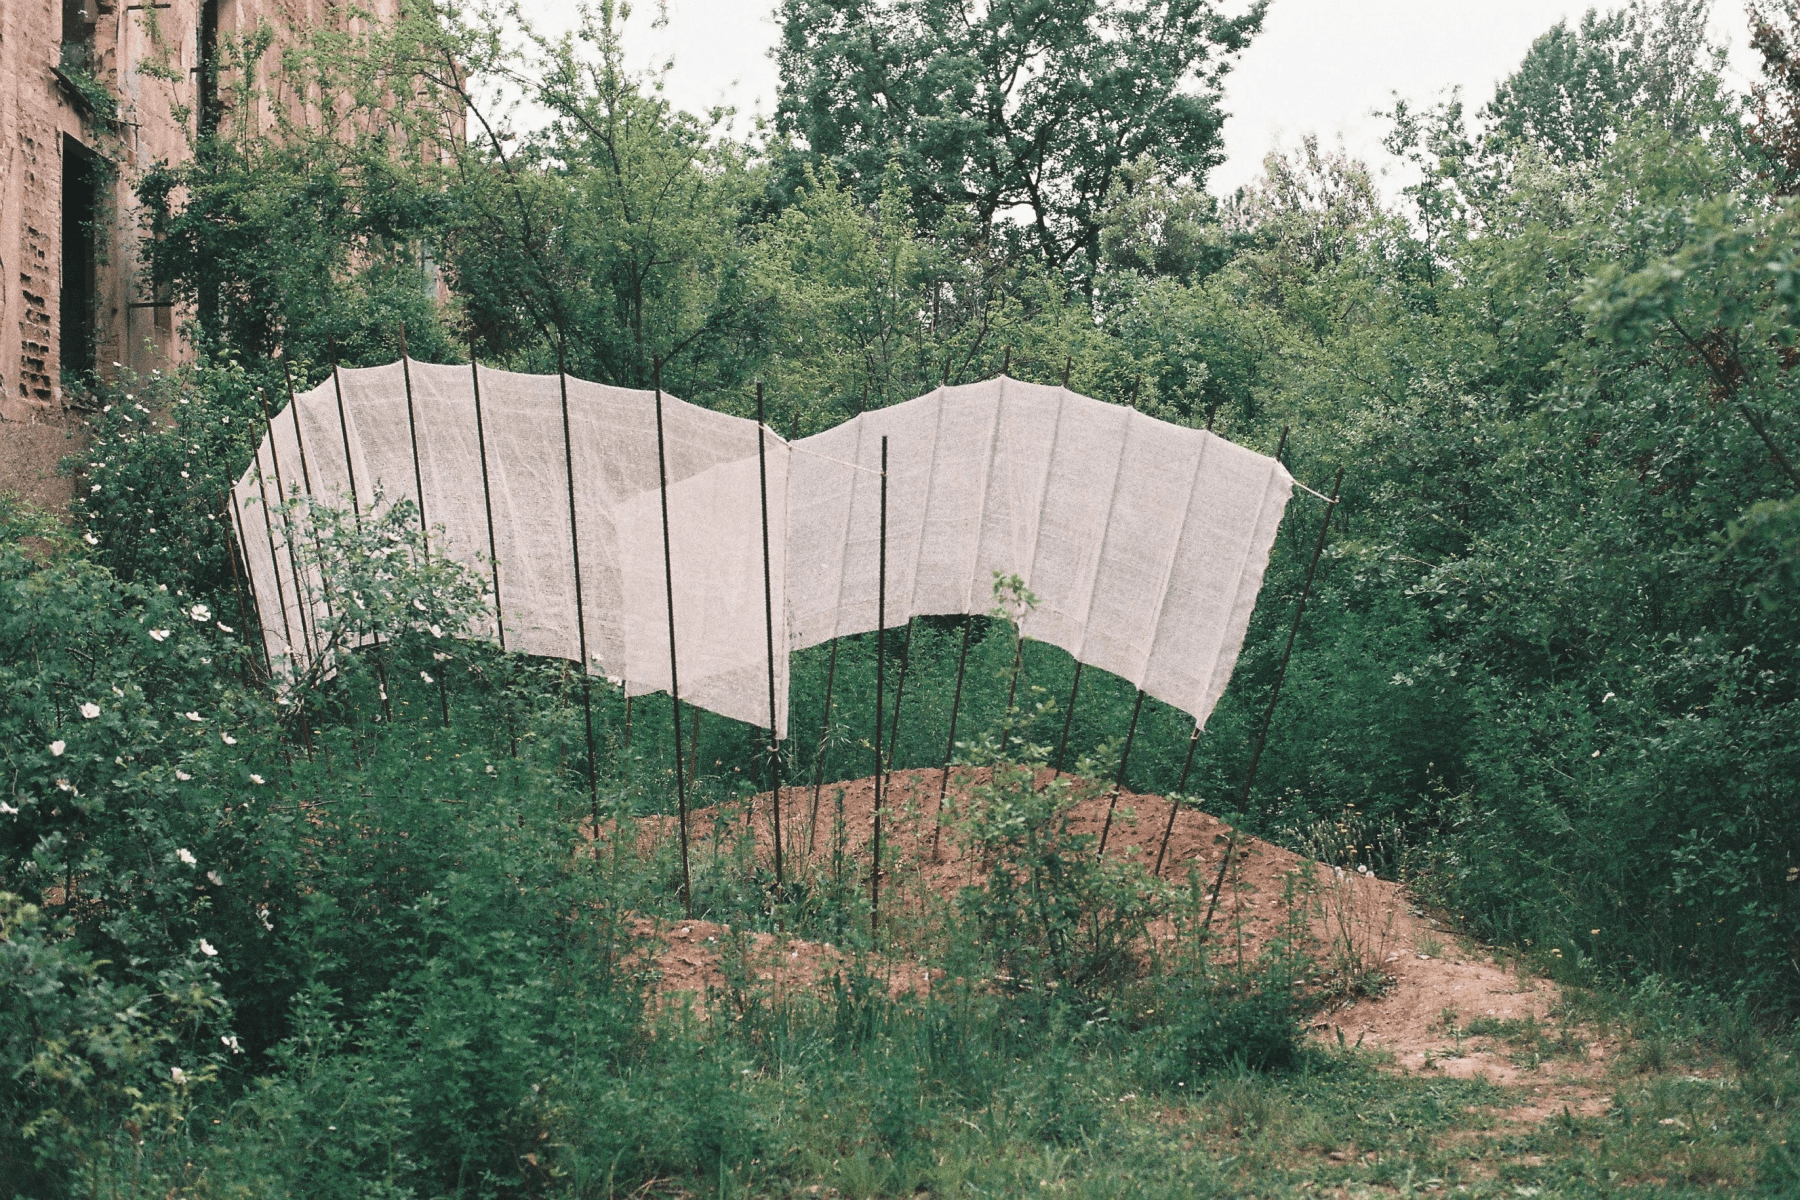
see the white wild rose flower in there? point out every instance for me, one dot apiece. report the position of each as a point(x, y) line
point(157, 635)
point(256, 779)
point(182, 775)
point(186, 856)
point(57, 747)
point(200, 612)
point(207, 949)
point(178, 1075)
point(228, 739)
point(90, 711)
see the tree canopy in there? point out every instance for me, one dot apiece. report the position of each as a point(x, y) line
point(1026, 107)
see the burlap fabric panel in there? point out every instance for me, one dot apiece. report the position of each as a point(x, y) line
point(1144, 542)
point(611, 450)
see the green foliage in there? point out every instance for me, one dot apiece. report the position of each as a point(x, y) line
point(1055, 914)
point(1547, 673)
point(307, 225)
point(163, 452)
point(1037, 105)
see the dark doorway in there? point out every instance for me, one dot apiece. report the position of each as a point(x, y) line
point(206, 110)
point(83, 175)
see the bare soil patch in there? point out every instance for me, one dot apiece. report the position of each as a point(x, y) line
point(1436, 1002)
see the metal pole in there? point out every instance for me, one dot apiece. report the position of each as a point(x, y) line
point(1119, 780)
point(1012, 691)
point(962, 659)
point(287, 630)
point(412, 430)
point(662, 468)
point(287, 521)
point(487, 499)
point(762, 478)
point(234, 546)
point(337, 386)
point(880, 684)
point(1193, 740)
point(812, 821)
point(899, 694)
point(1068, 362)
point(1068, 719)
point(587, 704)
point(306, 477)
point(1262, 735)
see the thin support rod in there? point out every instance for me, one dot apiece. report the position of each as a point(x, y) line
point(1119, 780)
point(1175, 799)
point(337, 386)
point(487, 497)
point(962, 659)
point(287, 630)
point(306, 478)
point(1012, 690)
point(899, 694)
point(1068, 719)
point(662, 470)
point(587, 703)
point(235, 546)
point(1262, 733)
point(287, 521)
point(880, 686)
point(412, 430)
point(812, 820)
point(762, 479)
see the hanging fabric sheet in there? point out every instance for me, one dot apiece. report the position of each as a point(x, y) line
point(1144, 542)
point(714, 518)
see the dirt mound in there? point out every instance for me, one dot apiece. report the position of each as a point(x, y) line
point(1390, 977)
point(702, 962)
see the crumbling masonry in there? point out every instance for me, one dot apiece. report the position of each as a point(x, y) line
point(91, 92)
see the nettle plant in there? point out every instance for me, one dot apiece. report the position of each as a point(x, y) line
point(374, 582)
point(1053, 914)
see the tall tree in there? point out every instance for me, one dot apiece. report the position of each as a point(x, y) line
point(1008, 108)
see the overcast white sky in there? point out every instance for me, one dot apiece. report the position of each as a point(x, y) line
point(1320, 66)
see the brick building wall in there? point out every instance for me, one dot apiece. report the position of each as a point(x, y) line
point(91, 93)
